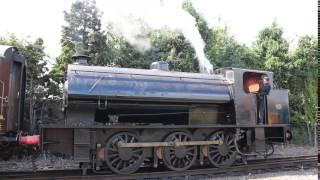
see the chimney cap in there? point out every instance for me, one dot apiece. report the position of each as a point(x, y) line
point(80, 59)
point(79, 55)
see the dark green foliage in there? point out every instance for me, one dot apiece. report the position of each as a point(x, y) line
point(173, 48)
point(82, 31)
point(201, 23)
point(302, 81)
point(224, 51)
point(272, 53)
point(125, 55)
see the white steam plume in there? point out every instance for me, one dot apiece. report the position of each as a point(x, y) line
point(126, 17)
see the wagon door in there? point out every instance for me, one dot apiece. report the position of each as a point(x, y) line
point(15, 97)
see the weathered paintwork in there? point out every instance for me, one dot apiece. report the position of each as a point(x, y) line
point(122, 83)
point(12, 85)
point(278, 107)
point(86, 84)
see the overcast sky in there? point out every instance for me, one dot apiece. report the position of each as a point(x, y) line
point(44, 18)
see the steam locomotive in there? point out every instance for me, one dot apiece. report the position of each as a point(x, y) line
point(122, 119)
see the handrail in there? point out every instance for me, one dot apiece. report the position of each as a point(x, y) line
point(2, 99)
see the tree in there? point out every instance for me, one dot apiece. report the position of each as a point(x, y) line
point(221, 48)
point(201, 23)
point(173, 48)
point(302, 82)
point(82, 31)
point(122, 53)
point(168, 46)
point(224, 51)
point(272, 53)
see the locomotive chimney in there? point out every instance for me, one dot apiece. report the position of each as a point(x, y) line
point(79, 58)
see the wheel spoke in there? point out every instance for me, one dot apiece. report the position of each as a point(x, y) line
point(227, 138)
point(222, 137)
point(113, 155)
point(185, 138)
point(184, 161)
point(115, 160)
point(190, 148)
point(174, 161)
point(118, 164)
point(214, 150)
point(136, 155)
point(189, 153)
point(121, 138)
point(137, 150)
point(214, 146)
point(216, 155)
point(181, 163)
point(188, 158)
point(126, 164)
point(219, 159)
point(230, 141)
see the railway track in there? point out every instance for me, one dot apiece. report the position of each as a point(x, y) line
point(274, 164)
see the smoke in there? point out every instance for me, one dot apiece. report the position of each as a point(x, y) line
point(133, 30)
point(130, 18)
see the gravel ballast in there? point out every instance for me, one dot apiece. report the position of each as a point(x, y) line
point(310, 174)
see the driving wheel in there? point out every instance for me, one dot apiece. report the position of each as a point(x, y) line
point(222, 155)
point(123, 160)
point(179, 158)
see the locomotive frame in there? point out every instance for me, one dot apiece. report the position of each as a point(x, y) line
point(121, 119)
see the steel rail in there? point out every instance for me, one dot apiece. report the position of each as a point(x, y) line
point(274, 164)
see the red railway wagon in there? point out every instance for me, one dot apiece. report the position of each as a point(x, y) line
point(12, 89)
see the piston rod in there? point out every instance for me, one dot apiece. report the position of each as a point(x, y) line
point(175, 144)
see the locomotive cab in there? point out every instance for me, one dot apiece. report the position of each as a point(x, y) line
point(245, 89)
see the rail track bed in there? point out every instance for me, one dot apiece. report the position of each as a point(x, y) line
point(253, 166)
